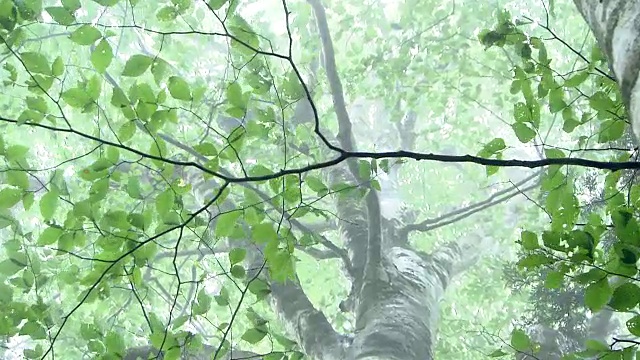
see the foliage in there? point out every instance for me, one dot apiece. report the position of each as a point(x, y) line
point(158, 181)
point(581, 262)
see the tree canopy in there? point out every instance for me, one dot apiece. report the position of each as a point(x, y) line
point(239, 179)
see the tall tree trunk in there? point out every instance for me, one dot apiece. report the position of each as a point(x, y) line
point(616, 26)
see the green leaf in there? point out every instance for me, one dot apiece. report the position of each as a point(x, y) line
point(577, 79)
point(253, 336)
point(364, 169)
point(11, 266)
point(94, 87)
point(142, 92)
point(49, 236)
point(164, 202)
point(37, 103)
point(238, 271)
point(71, 5)
point(554, 279)
point(203, 303)
point(159, 69)
point(182, 5)
point(136, 65)
point(611, 130)
point(33, 329)
point(543, 91)
point(242, 31)
point(236, 255)
point(235, 97)
point(16, 152)
point(6, 293)
point(217, 4)
point(520, 340)
point(18, 179)
point(492, 147)
point(107, 3)
point(601, 102)
point(9, 197)
point(625, 297)
point(260, 170)
point(206, 149)
point(137, 220)
point(375, 184)
point(521, 112)
point(65, 242)
point(236, 113)
point(529, 240)
point(633, 325)
point(226, 223)
point(119, 98)
point(126, 131)
point(259, 288)
point(179, 88)
point(264, 232)
point(100, 165)
point(167, 13)
point(625, 225)
point(144, 254)
point(498, 353)
point(213, 164)
point(570, 120)
point(597, 294)
point(556, 100)
point(102, 56)
point(116, 219)
point(523, 132)
point(99, 190)
point(113, 155)
point(48, 204)
point(85, 35)
point(36, 63)
point(292, 88)
point(27, 200)
point(315, 184)
point(179, 321)
point(534, 261)
point(57, 68)
point(133, 188)
point(61, 15)
point(8, 15)
point(30, 116)
point(77, 98)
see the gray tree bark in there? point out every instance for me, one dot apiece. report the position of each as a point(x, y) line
point(616, 26)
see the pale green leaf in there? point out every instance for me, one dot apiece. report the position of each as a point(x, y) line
point(85, 35)
point(102, 56)
point(49, 204)
point(9, 197)
point(136, 65)
point(179, 88)
point(36, 63)
point(61, 15)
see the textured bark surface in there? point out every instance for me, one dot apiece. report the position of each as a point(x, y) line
point(616, 26)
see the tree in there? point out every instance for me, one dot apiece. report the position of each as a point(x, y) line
point(175, 185)
point(615, 27)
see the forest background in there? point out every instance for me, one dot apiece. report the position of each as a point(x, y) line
point(336, 180)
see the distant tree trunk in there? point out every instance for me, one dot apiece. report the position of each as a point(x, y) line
point(616, 26)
